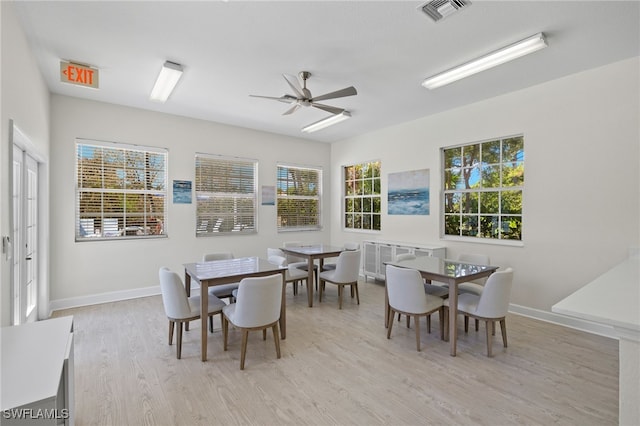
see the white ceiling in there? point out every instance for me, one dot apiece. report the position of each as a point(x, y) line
point(231, 49)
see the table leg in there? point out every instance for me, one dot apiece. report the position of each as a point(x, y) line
point(453, 317)
point(187, 287)
point(204, 310)
point(310, 282)
point(283, 310)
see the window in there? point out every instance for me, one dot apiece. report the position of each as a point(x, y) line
point(120, 191)
point(225, 195)
point(362, 196)
point(298, 192)
point(483, 184)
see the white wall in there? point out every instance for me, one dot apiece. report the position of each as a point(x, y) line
point(582, 185)
point(25, 100)
point(90, 268)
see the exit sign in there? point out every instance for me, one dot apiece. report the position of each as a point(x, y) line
point(77, 74)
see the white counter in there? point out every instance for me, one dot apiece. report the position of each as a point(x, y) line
point(614, 299)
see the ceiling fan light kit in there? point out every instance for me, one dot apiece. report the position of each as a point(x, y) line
point(169, 75)
point(498, 57)
point(326, 122)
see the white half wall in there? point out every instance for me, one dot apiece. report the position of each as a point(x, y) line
point(92, 270)
point(582, 184)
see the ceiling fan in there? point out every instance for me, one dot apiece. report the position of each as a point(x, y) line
point(304, 98)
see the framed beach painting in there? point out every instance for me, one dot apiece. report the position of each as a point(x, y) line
point(408, 193)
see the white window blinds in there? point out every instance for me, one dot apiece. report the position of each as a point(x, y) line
point(120, 191)
point(225, 195)
point(299, 195)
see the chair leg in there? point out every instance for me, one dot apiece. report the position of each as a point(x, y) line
point(276, 338)
point(357, 292)
point(243, 349)
point(390, 324)
point(340, 291)
point(441, 316)
point(320, 291)
point(171, 327)
point(417, 333)
point(503, 328)
point(264, 334)
point(466, 324)
point(225, 331)
point(489, 326)
point(408, 321)
point(477, 324)
point(493, 328)
point(211, 323)
point(446, 321)
point(179, 342)
point(428, 323)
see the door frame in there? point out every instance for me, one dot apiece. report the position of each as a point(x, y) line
point(19, 139)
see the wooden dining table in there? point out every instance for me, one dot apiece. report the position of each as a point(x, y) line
point(312, 252)
point(218, 272)
point(451, 272)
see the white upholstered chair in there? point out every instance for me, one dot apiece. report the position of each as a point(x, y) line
point(492, 305)
point(347, 246)
point(225, 290)
point(476, 286)
point(293, 274)
point(405, 288)
point(180, 308)
point(346, 273)
point(257, 307)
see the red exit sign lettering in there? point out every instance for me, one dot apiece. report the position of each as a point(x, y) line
point(77, 74)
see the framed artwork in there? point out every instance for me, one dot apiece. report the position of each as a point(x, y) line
point(408, 193)
point(181, 192)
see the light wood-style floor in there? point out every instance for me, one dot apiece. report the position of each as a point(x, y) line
point(337, 368)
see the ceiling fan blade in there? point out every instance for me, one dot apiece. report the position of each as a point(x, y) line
point(284, 98)
point(332, 110)
point(291, 110)
point(294, 84)
point(348, 91)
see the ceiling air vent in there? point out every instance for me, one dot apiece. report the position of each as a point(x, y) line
point(438, 9)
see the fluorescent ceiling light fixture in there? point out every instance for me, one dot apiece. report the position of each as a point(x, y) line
point(166, 82)
point(326, 122)
point(506, 54)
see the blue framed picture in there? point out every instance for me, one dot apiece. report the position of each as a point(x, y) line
point(408, 193)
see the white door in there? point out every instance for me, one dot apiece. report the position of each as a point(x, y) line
point(25, 237)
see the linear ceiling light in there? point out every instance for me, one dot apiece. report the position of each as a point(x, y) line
point(326, 122)
point(167, 80)
point(506, 54)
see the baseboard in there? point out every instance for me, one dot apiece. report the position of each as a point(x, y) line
point(564, 320)
point(95, 299)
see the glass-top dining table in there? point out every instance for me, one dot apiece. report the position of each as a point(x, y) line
point(451, 272)
point(218, 272)
point(312, 252)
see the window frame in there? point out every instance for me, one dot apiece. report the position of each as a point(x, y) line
point(282, 196)
point(501, 189)
point(203, 228)
point(151, 227)
point(355, 199)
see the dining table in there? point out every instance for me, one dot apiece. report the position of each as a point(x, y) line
point(312, 252)
point(451, 272)
point(227, 271)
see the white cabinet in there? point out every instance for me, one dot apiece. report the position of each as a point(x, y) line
point(37, 373)
point(376, 253)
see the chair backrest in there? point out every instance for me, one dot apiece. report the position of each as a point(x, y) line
point(259, 300)
point(174, 295)
point(494, 300)
point(478, 259)
point(351, 246)
point(275, 252)
point(405, 288)
point(207, 257)
point(292, 258)
point(277, 260)
point(405, 256)
point(347, 267)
